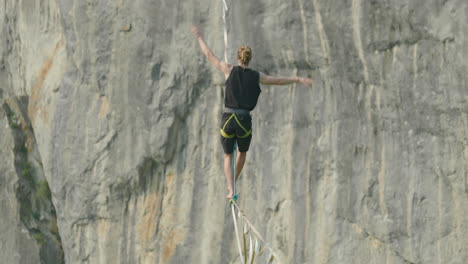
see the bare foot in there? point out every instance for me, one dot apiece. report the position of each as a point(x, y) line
point(230, 193)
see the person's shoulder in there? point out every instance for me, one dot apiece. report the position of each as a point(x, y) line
point(253, 71)
point(255, 74)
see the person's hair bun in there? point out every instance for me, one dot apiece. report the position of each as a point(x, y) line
point(244, 54)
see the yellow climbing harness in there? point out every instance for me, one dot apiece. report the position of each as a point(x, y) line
point(226, 135)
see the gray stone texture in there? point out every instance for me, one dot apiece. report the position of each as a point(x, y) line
point(369, 165)
point(16, 245)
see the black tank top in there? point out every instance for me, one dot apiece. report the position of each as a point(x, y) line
point(242, 88)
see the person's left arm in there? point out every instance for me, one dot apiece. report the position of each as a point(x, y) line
point(219, 64)
point(270, 80)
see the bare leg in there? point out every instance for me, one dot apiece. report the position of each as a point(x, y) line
point(240, 163)
point(228, 173)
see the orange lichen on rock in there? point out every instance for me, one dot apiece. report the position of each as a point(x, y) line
point(34, 105)
point(170, 244)
point(172, 238)
point(104, 110)
point(148, 224)
point(150, 212)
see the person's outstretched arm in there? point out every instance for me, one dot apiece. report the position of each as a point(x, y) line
point(268, 80)
point(220, 65)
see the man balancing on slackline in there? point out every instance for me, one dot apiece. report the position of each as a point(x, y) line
point(240, 97)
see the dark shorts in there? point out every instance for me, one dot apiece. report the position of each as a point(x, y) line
point(236, 128)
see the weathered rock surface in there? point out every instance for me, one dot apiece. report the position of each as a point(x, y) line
point(16, 245)
point(369, 165)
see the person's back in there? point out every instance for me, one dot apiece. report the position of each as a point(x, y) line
point(242, 88)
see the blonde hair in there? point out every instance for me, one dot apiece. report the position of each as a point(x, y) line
point(244, 54)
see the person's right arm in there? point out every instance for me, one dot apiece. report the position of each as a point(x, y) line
point(219, 64)
point(271, 80)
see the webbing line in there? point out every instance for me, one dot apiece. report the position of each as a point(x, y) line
point(257, 234)
point(234, 157)
point(225, 10)
point(234, 154)
point(233, 203)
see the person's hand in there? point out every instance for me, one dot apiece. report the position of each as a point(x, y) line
point(306, 81)
point(195, 31)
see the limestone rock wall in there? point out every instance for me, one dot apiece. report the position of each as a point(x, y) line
point(369, 165)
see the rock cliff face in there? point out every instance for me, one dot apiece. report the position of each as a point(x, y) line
point(109, 131)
